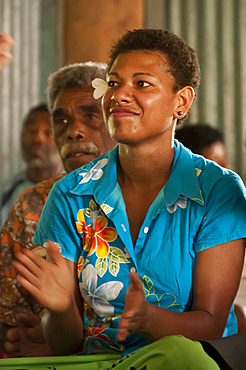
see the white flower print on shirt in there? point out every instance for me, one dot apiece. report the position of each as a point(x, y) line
point(98, 297)
point(181, 202)
point(95, 172)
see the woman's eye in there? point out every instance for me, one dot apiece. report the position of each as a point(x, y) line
point(143, 83)
point(112, 83)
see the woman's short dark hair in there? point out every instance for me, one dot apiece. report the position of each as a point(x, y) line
point(183, 62)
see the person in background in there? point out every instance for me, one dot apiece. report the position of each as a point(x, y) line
point(82, 136)
point(203, 139)
point(144, 247)
point(6, 43)
point(40, 154)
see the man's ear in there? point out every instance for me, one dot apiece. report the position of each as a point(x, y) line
point(185, 97)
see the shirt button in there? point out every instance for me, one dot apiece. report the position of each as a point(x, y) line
point(146, 229)
point(123, 227)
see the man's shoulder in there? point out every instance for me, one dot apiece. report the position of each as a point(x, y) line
point(46, 186)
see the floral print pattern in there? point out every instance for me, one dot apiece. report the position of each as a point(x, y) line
point(98, 297)
point(181, 202)
point(17, 233)
point(96, 238)
point(95, 172)
point(150, 294)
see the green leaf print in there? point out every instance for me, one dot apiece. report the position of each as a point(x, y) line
point(106, 208)
point(114, 268)
point(87, 212)
point(116, 255)
point(101, 266)
point(111, 318)
point(92, 205)
point(149, 287)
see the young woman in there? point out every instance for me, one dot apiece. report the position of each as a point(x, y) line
point(152, 235)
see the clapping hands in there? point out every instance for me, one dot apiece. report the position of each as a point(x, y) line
point(52, 284)
point(134, 316)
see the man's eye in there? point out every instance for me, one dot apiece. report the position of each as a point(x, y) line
point(112, 83)
point(91, 116)
point(143, 83)
point(60, 121)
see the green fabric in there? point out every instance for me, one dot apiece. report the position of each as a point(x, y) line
point(171, 353)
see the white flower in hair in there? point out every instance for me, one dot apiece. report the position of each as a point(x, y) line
point(100, 87)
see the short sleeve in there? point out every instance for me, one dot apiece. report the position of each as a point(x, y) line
point(225, 212)
point(57, 223)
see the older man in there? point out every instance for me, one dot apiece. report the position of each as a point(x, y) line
point(40, 154)
point(80, 136)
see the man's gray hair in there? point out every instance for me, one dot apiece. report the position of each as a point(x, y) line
point(73, 75)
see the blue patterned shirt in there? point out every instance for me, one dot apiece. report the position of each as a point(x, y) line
point(85, 213)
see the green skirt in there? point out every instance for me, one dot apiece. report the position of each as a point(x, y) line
point(171, 353)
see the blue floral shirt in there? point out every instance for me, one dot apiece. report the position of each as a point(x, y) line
point(85, 213)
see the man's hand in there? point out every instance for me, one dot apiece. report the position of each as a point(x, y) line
point(6, 42)
point(52, 284)
point(26, 340)
point(134, 316)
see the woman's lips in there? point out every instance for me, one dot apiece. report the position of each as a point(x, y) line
point(122, 112)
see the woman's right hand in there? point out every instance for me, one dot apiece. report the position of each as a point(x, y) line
point(52, 284)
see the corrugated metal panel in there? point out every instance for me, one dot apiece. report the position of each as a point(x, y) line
point(217, 29)
point(19, 82)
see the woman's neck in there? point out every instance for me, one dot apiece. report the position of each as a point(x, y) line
point(145, 167)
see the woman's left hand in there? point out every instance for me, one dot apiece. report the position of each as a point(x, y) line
point(134, 315)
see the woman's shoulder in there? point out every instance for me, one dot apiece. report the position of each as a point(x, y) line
point(214, 178)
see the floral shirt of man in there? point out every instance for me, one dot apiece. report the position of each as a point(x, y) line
point(17, 233)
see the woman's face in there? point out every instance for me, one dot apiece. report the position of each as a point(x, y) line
point(139, 103)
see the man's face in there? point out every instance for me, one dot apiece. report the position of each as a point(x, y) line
point(79, 130)
point(38, 145)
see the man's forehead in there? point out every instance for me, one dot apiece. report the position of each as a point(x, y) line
point(80, 98)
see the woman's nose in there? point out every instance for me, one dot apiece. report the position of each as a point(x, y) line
point(123, 94)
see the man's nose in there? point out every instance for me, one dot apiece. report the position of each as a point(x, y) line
point(40, 137)
point(76, 130)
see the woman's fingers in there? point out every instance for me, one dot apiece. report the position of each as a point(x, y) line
point(25, 273)
point(31, 261)
point(54, 253)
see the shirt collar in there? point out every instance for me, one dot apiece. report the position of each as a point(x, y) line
point(183, 179)
point(100, 177)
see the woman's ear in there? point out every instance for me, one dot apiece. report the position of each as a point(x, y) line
point(185, 97)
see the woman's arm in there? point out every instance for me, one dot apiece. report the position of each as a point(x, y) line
point(55, 286)
point(217, 276)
